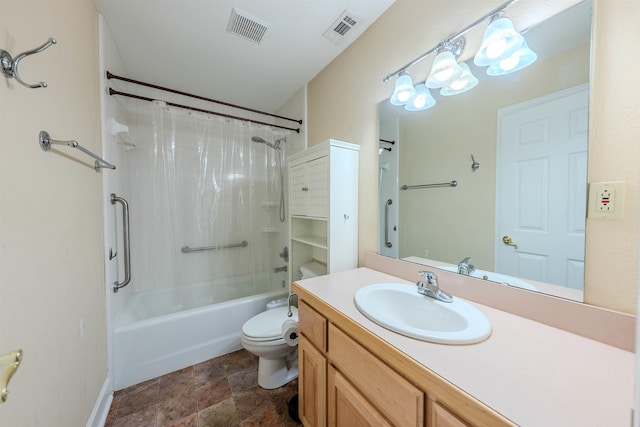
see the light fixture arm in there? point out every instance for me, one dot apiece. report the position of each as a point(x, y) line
point(451, 38)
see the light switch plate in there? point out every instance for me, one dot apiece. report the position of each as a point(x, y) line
point(606, 200)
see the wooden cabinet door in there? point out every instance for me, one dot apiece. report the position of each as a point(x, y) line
point(312, 383)
point(442, 417)
point(347, 407)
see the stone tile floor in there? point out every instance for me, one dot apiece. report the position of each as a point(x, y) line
point(218, 392)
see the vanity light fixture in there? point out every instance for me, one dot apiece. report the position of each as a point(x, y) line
point(421, 100)
point(465, 82)
point(445, 68)
point(522, 58)
point(501, 45)
point(404, 89)
point(500, 41)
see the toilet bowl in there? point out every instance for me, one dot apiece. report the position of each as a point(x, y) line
point(262, 335)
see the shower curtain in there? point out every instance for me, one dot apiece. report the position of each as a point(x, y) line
point(199, 181)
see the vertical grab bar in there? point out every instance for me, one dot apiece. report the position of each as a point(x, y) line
point(125, 230)
point(387, 243)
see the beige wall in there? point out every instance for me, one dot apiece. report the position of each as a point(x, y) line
point(52, 291)
point(342, 103)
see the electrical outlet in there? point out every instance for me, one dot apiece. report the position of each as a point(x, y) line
point(606, 200)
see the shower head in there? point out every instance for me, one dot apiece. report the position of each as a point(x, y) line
point(262, 141)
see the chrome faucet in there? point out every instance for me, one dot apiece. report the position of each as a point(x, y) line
point(431, 288)
point(279, 269)
point(465, 267)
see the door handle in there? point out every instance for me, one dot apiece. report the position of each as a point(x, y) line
point(507, 240)
point(12, 361)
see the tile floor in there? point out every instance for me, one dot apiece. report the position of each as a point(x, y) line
point(218, 392)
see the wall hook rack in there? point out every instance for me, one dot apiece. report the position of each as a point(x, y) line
point(10, 64)
point(46, 142)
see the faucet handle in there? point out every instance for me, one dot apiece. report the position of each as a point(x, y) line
point(431, 277)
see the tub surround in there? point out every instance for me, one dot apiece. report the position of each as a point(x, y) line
point(527, 372)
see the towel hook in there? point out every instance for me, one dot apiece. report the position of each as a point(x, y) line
point(10, 65)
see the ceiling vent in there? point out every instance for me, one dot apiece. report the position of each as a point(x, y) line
point(247, 26)
point(341, 27)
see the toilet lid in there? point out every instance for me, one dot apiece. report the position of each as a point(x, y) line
point(268, 324)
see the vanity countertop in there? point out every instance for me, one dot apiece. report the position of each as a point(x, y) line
point(531, 373)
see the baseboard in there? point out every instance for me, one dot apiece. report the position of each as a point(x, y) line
point(103, 403)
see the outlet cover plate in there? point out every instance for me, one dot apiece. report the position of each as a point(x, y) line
point(606, 200)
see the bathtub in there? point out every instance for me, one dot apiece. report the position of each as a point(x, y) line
point(167, 330)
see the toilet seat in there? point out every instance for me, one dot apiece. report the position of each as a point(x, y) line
point(267, 326)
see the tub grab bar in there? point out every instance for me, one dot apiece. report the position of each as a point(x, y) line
point(127, 242)
point(440, 184)
point(187, 249)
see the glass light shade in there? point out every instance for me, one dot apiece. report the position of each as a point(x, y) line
point(445, 68)
point(522, 58)
point(421, 100)
point(500, 41)
point(465, 82)
point(403, 91)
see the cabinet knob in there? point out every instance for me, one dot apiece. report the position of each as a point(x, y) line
point(305, 188)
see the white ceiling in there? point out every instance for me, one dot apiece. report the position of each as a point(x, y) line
point(184, 45)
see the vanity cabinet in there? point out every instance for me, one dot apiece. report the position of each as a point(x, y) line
point(323, 206)
point(349, 378)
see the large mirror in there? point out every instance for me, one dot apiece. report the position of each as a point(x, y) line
point(516, 147)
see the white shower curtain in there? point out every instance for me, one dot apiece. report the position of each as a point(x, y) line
point(199, 181)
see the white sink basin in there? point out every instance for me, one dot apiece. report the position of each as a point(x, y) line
point(495, 277)
point(400, 308)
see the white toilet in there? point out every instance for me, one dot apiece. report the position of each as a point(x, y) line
point(264, 336)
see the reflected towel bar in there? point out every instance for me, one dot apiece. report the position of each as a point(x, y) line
point(187, 249)
point(441, 184)
point(46, 142)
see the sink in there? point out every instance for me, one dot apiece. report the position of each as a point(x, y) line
point(401, 309)
point(495, 277)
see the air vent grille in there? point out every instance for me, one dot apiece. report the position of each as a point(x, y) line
point(339, 29)
point(247, 26)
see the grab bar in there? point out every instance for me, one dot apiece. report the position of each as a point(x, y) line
point(387, 243)
point(441, 184)
point(187, 249)
point(46, 142)
point(127, 242)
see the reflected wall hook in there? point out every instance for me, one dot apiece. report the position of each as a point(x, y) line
point(10, 64)
point(475, 165)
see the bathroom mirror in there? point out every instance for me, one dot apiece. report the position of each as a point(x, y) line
point(462, 139)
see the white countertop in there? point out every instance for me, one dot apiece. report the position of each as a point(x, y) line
point(531, 373)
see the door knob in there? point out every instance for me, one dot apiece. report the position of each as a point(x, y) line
point(509, 242)
point(11, 361)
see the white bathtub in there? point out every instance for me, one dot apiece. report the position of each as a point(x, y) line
point(154, 338)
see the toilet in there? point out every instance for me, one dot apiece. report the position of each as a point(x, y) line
point(272, 336)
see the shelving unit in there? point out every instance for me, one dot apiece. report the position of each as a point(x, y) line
point(323, 203)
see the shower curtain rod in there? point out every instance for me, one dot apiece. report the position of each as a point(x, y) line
point(128, 80)
point(186, 107)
